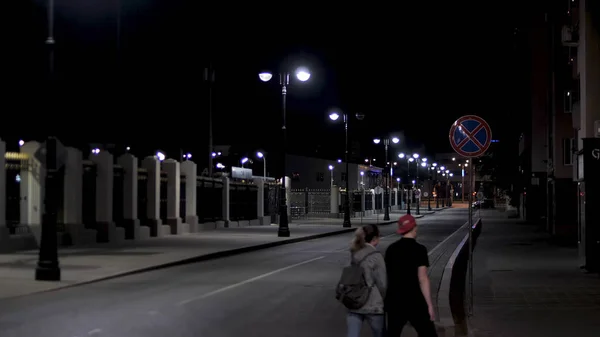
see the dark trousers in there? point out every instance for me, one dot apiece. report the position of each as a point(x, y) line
point(419, 319)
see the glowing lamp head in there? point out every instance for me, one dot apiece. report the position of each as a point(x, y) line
point(376, 140)
point(302, 74)
point(339, 161)
point(334, 116)
point(220, 166)
point(423, 164)
point(395, 140)
point(21, 142)
point(401, 155)
point(415, 155)
point(411, 159)
point(244, 160)
point(362, 173)
point(160, 156)
point(96, 151)
point(265, 76)
point(330, 167)
point(260, 154)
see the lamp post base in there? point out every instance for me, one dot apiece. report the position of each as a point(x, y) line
point(347, 222)
point(386, 216)
point(47, 271)
point(284, 229)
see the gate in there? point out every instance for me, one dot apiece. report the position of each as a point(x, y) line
point(142, 199)
point(242, 200)
point(209, 199)
point(394, 198)
point(164, 181)
point(90, 173)
point(14, 166)
point(386, 199)
point(182, 198)
point(118, 195)
point(378, 201)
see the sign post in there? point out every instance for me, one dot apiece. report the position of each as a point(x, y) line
point(470, 137)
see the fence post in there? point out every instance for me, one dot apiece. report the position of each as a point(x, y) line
point(4, 233)
point(363, 201)
point(334, 197)
point(171, 167)
point(226, 196)
point(190, 170)
point(107, 230)
point(260, 203)
point(73, 199)
point(32, 190)
point(131, 222)
point(152, 166)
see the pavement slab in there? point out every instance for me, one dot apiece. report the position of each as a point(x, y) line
point(526, 287)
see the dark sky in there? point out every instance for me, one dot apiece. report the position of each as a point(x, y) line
point(411, 69)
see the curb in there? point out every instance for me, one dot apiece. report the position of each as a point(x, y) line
point(201, 258)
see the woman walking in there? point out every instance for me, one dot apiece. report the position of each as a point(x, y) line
point(365, 254)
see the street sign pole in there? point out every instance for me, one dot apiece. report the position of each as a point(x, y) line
point(470, 137)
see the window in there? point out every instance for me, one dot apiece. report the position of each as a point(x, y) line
point(320, 176)
point(568, 150)
point(343, 176)
point(295, 176)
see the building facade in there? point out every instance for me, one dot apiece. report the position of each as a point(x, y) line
point(557, 146)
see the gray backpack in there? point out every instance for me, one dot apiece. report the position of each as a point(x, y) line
point(352, 289)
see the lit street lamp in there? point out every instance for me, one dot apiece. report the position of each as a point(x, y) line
point(331, 171)
point(284, 81)
point(334, 116)
point(264, 158)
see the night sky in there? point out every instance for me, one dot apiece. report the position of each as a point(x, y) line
point(412, 73)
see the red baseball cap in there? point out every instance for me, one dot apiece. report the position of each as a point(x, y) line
point(406, 223)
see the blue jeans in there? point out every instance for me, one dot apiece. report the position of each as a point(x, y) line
point(355, 321)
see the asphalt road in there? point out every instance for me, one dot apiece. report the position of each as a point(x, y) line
point(284, 291)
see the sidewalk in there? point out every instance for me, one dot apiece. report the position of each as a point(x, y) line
point(102, 261)
point(525, 287)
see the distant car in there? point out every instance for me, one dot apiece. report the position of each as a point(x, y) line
point(486, 203)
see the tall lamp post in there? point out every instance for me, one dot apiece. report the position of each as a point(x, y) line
point(334, 116)
point(284, 81)
point(388, 173)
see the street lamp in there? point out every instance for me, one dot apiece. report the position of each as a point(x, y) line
point(284, 81)
point(159, 155)
point(264, 158)
point(386, 143)
point(334, 116)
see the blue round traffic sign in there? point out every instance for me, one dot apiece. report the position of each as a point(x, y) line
point(470, 136)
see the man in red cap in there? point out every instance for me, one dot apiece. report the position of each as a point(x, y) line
point(408, 297)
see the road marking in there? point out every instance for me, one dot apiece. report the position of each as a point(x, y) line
point(447, 238)
point(94, 332)
point(233, 286)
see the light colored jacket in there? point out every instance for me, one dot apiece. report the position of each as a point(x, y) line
point(376, 277)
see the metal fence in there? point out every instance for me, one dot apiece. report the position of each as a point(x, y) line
point(164, 183)
point(378, 201)
point(118, 198)
point(242, 201)
point(142, 195)
point(90, 174)
point(310, 201)
point(357, 201)
point(182, 198)
point(386, 199)
point(271, 203)
point(368, 201)
point(209, 199)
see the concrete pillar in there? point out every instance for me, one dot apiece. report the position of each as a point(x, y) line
point(363, 199)
point(288, 197)
point(395, 191)
point(190, 170)
point(172, 168)
point(4, 233)
point(152, 165)
point(373, 201)
point(73, 197)
point(390, 197)
point(32, 191)
point(107, 230)
point(334, 197)
point(131, 223)
point(225, 196)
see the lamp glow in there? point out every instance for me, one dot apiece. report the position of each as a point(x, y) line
point(395, 140)
point(415, 155)
point(330, 167)
point(244, 160)
point(362, 173)
point(265, 76)
point(411, 159)
point(423, 164)
point(401, 155)
point(260, 154)
point(159, 155)
point(376, 140)
point(334, 116)
point(339, 160)
point(303, 75)
point(220, 166)
point(21, 142)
